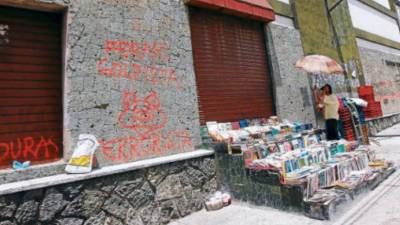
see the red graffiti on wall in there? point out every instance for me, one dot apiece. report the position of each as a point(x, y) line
point(386, 89)
point(146, 121)
point(134, 71)
point(388, 97)
point(142, 116)
point(155, 51)
point(385, 83)
point(134, 147)
point(137, 60)
point(28, 148)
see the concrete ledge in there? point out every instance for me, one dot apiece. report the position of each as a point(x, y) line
point(32, 172)
point(31, 184)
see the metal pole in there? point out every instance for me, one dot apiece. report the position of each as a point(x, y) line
point(336, 39)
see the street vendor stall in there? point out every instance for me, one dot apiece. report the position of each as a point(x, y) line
point(290, 165)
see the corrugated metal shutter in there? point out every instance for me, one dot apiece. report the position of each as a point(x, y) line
point(231, 67)
point(30, 87)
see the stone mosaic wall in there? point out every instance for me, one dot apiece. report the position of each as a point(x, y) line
point(129, 78)
point(155, 195)
point(385, 78)
point(293, 97)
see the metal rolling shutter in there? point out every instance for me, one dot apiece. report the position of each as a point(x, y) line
point(231, 67)
point(30, 87)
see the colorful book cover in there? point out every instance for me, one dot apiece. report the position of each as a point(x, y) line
point(235, 126)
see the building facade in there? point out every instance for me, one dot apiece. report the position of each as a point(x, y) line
point(363, 36)
point(145, 76)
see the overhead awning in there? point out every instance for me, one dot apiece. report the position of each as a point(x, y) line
point(254, 9)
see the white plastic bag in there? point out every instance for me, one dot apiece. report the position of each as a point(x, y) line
point(218, 201)
point(82, 157)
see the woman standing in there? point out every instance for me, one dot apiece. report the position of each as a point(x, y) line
point(328, 103)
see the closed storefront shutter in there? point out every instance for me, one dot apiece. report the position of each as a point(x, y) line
point(231, 67)
point(30, 86)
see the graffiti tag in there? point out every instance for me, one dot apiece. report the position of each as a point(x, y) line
point(146, 121)
point(28, 148)
point(131, 147)
point(137, 61)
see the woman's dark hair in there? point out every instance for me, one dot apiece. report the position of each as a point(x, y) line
point(329, 88)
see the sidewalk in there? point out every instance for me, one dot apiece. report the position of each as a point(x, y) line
point(384, 209)
point(378, 207)
point(241, 214)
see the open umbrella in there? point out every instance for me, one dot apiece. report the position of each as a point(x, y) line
point(318, 64)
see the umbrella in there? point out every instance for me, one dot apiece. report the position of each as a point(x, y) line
point(319, 64)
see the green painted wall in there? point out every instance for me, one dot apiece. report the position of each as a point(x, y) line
point(318, 35)
point(347, 39)
point(317, 38)
point(392, 5)
point(281, 8)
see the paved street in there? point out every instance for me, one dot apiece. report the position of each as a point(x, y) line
point(378, 207)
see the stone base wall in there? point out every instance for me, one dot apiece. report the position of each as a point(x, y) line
point(379, 124)
point(154, 195)
point(258, 188)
